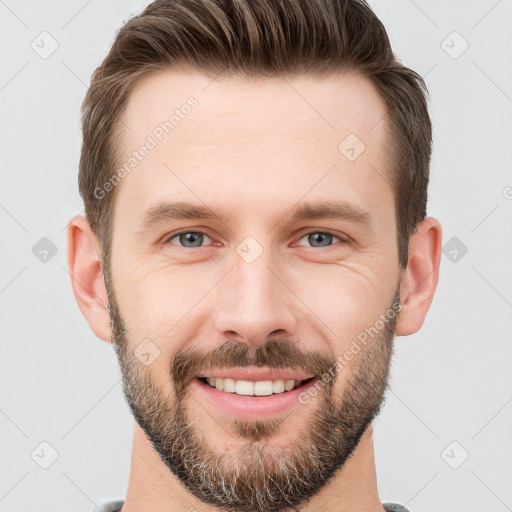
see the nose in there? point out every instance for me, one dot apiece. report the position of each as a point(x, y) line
point(254, 303)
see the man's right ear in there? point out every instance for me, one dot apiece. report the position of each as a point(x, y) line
point(86, 270)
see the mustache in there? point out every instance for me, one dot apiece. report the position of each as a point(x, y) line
point(275, 354)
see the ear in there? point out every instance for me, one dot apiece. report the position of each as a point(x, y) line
point(419, 279)
point(86, 270)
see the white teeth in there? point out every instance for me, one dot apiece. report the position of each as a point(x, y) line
point(229, 385)
point(279, 386)
point(263, 388)
point(243, 387)
point(249, 388)
point(289, 384)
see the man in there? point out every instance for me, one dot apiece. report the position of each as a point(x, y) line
point(255, 178)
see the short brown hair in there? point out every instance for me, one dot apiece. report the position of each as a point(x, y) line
point(257, 38)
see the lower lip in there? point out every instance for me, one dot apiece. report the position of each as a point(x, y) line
point(252, 407)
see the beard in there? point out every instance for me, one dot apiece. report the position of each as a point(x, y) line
point(257, 477)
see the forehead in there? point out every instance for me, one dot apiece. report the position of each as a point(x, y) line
point(254, 141)
point(332, 106)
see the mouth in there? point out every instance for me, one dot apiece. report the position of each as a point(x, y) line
point(258, 402)
point(254, 388)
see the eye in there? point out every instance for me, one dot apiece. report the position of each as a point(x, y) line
point(195, 239)
point(321, 238)
point(189, 239)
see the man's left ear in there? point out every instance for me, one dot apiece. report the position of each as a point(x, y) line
point(419, 279)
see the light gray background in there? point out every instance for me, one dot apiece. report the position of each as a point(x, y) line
point(450, 382)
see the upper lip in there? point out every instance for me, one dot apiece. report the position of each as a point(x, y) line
point(256, 374)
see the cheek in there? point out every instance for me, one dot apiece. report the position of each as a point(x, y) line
point(346, 298)
point(154, 296)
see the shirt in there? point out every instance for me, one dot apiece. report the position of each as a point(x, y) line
point(115, 504)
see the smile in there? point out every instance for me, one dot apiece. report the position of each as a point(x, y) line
point(247, 404)
point(253, 388)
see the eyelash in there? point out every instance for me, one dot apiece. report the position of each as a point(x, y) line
point(174, 235)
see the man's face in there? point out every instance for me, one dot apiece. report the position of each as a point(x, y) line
point(259, 288)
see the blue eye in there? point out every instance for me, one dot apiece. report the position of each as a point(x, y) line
point(321, 240)
point(189, 239)
point(195, 239)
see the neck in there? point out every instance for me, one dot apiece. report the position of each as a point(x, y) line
point(152, 487)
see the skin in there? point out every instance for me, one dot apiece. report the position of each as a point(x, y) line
point(254, 150)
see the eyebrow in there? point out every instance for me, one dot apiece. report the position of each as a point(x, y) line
point(179, 210)
point(342, 210)
point(329, 209)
